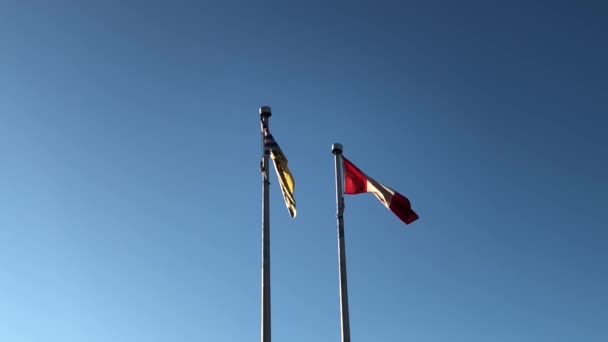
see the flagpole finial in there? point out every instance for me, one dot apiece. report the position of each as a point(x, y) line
point(336, 148)
point(265, 111)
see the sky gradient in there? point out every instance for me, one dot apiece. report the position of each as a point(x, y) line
point(130, 144)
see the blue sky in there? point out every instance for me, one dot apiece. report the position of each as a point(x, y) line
point(130, 207)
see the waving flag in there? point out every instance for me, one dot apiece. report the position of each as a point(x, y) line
point(283, 173)
point(356, 182)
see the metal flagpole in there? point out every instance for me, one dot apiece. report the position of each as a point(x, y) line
point(265, 113)
point(344, 319)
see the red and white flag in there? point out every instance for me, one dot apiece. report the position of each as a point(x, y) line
point(357, 182)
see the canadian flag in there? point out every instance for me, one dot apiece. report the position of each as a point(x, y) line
point(357, 182)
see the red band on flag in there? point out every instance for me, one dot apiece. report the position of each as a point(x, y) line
point(355, 181)
point(401, 206)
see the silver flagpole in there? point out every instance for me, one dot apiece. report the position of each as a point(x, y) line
point(265, 113)
point(344, 319)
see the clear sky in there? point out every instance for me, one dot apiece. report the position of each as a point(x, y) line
point(130, 186)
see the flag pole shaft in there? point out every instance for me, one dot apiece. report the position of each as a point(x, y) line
point(265, 113)
point(344, 313)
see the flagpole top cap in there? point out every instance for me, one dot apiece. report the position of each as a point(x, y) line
point(336, 148)
point(265, 111)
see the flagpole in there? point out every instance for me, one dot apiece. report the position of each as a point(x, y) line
point(265, 113)
point(344, 318)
